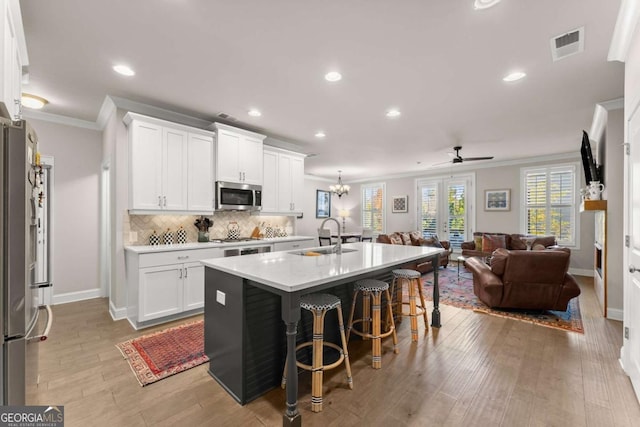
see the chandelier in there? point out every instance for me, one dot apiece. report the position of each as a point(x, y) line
point(339, 188)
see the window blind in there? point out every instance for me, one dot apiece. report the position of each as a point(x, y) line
point(373, 207)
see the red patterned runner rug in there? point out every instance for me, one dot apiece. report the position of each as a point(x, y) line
point(161, 354)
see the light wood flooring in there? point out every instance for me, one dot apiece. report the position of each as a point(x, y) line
point(477, 370)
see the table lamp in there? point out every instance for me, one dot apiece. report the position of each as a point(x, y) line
point(344, 214)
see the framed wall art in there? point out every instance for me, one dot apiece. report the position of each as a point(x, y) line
point(497, 200)
point(400, 204)
point(323, 204)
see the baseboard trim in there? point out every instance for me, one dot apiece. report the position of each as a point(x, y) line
point(615, 314)
point(77, 296)
point(581, 272)
point(117, 313)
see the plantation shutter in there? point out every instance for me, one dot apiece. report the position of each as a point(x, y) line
point(429, 210)
point(373, 207)
point(550, 203)
point(457, 213)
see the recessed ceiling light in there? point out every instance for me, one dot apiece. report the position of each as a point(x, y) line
point(393, 113)
point(254, 113)
point(514, 76)
point(124, 70)
point(32, 101)
point(485, 4)
point(333, 76)
point(320, 134)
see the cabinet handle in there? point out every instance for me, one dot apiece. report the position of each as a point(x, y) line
point(180, 274)
point(184, 257)
point(165, 200)
point(240, 176)
point(244, 178)
point(186, 272)
point(160, 201)
point(295, 246)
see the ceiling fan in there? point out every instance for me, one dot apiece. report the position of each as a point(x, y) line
point(457, 158)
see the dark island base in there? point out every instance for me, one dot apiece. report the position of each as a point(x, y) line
point(257, 332)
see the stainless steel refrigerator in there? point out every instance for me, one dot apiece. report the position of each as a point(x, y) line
point(21, 181)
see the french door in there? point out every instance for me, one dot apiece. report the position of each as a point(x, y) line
point(444, 207)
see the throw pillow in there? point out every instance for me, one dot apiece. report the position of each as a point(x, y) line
point(406, 239)
point(431, 241)
point(478, 241)
point(545, 241)
point(491, 242)
point(395, 239)
point(383, 238)
point(517, 243)
point(499, 261)
point(538, 247)
point(415, 237)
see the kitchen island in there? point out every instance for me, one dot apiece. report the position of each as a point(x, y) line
point(245, 297)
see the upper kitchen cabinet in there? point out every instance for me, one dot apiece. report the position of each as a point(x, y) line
point(14, 59)
point(170, 167)
point(282, 190)
point(239, 155)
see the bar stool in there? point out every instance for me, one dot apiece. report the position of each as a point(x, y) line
point(319, 305)
point(371, 317)
point(412, 278)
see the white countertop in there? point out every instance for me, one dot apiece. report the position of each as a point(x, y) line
point(290, 272)
point(204, 245)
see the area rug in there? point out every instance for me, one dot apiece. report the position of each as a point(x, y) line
point(162, 354)
point(458, 292)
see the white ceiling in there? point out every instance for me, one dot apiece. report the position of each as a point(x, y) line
point(439, 61)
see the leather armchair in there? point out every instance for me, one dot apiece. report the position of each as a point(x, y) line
point(536, 280)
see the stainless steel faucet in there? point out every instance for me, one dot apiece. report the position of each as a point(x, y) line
point(338, 247)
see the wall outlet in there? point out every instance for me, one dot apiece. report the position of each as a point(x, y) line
point(221, 297)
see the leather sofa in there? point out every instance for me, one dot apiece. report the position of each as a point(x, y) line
point(415, 238)
point(512, 242)
point(535, 280)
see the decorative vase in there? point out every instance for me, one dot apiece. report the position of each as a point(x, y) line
point(233, 231)
point(167, 237)
point(154, 239)
point(181, 236)
point(595, 190)
point(203, 236)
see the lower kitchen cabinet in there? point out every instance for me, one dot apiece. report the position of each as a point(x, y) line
point(164, 286)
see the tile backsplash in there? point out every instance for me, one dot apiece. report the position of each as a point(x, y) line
point(144, 225)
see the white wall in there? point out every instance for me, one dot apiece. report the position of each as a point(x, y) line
point(77, 153)
point(507, 176)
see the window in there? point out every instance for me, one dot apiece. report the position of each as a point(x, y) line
point(444, 207)
point(550, 203)
point(373, 207)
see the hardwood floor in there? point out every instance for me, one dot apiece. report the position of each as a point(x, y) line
point(477, 370)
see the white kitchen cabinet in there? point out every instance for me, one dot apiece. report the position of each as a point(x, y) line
point(170, 167)
point(200, 173)
point(14, 59)
point(283, 182)
point(163, 286)
point(270, 181)
point(238, 155)
point(161, 292)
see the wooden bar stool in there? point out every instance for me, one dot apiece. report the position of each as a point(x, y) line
point(372, 291)
point(319, 305)
point(413, 280)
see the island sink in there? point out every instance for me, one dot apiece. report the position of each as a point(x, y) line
point(317, 252)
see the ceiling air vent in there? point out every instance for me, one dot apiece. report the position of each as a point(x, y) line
point(567, 44)
point(226, 116)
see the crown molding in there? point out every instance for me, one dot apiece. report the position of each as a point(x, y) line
point(62, 120)
point(626, 23)
point(614, 104)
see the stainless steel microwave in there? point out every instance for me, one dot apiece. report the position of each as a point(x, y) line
point(238, 197)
